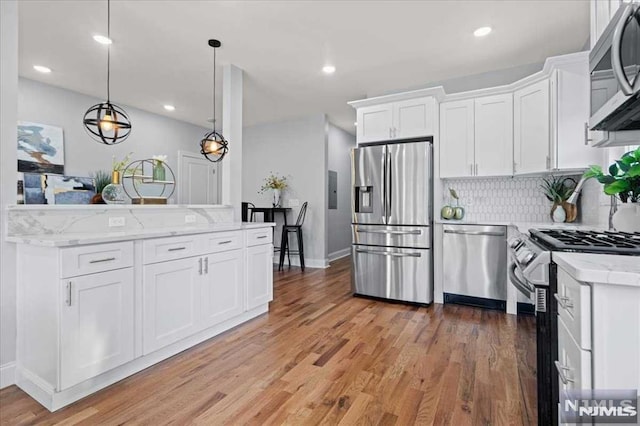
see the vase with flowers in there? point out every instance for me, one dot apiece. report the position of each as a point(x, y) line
point(114, 192)
point(623, 182)
point(276, 184)
point(159, 172)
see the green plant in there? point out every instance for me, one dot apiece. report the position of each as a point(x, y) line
point(117, 166)
point(623, 178)
point(557, 188)
point(101, 179)
point(273, 181)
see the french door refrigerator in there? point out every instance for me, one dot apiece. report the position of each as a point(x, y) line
point(392, 186)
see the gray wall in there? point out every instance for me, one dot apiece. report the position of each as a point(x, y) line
point(295, 148)
point(339, 220)
point(8, 135)
point(151, 134)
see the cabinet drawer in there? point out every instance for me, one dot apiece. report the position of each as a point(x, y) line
point(574, 307)
point(574, 364)
point(256, 237)
point(83, 260)
point(170, 248)
point(223, 241)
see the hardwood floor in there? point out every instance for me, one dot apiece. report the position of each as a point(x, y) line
point(322, 356)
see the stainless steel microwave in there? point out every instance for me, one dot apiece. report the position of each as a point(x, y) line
point(615, 75)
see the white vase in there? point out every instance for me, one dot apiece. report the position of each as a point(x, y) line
point(559, 214)
point(276, 198)
point(627, 218)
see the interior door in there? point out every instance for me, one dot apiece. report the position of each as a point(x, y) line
point(198, 180)
point(409, 183)
point(367, 189)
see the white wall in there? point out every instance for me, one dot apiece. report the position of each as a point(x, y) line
point(8, 160)
point(295, 148)
point(151, 134)
point(339, 220)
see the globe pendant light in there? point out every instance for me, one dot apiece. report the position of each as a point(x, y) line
point(214, 146)
point(106, 122)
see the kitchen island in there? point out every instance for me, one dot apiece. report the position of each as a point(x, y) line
point(105, 292)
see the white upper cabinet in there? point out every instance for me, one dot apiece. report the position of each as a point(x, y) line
point(457, 139)
point(494, 135)
point(601, 12)
point(531, 124)
point(403, 119)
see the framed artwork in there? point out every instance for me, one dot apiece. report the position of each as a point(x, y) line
point(55, 189)
point(40, 148)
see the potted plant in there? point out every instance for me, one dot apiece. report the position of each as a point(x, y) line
point(622, 181)
point(101, 179)
point(557, 189)
point(114, 193)
point(275, 183)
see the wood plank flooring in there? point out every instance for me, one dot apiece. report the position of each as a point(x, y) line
point(321, 356)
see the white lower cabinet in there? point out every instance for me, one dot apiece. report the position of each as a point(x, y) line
point(259, 275)
point(222, 287)
point(96, 330)
point(171, 295)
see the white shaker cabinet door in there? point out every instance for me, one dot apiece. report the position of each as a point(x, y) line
point(457, 139)
point(375, 123)
point(171, 301)
point(259, 275)
point(96, 324)
point(494, 135)
point(531, 122)
point(414, 118)
point(222, 287)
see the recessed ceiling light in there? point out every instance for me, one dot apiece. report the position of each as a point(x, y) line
point(102, 39)
point(169, 107)
point(328, 69)
point(42, 69)
point(482, 31)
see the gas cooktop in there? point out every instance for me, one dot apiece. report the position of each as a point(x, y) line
point(604, 242)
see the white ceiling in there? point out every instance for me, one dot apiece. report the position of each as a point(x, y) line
point(160, 53)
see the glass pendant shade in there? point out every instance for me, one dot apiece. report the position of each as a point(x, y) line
point(214, 146)
point(114, 192)
point(107, 123)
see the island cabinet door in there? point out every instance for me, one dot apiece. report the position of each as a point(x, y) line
point(171, 301)
point(222, 287)
point(96, 324)
point(259, 275)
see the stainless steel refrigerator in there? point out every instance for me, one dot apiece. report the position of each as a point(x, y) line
point(392, 193)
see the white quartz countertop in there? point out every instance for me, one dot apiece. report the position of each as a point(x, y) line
point(71, 239)
point(601, 268)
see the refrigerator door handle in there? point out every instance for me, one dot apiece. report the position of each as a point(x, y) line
point(388, 253)
point(389, 185)
point(364, 231)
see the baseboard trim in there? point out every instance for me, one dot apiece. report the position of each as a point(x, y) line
point(7, 374)
point(339, 254)
point(308, 263)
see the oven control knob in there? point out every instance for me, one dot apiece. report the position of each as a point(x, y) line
point(514, 242)
point(528, 257)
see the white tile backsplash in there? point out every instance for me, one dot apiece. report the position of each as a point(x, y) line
point(514, 199)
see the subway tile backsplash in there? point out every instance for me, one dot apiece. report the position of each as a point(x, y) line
point(517, 199)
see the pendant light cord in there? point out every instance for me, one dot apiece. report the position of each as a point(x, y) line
point(214, 90)
point(108, 48)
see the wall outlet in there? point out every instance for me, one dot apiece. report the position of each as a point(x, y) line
point(293, 202)
point(190, 218)
point(116, 221)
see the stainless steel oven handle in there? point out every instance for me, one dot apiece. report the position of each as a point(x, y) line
point(364, 231)
point(489, 233)
point(388, 253)
point(616, 50)
point(561, 369)
point(524, 287)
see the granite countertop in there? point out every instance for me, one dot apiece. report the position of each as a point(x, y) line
point(601, 268)
point(71, 239)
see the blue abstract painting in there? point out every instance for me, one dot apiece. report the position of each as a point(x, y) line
point(55, 189)
point(40, 148)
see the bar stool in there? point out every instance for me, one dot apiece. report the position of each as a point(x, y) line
point(284, 244)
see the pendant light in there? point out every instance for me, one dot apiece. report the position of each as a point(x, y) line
point(214, 146)
point(107, 123)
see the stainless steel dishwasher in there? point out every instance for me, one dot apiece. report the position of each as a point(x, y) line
point(475, 265)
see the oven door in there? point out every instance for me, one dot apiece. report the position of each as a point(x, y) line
point(615, 65)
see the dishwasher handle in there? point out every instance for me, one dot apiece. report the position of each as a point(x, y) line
point(487, 233)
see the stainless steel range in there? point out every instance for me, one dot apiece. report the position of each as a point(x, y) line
point(533, 272)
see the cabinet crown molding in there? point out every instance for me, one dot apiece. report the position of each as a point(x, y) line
point(436, 92)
